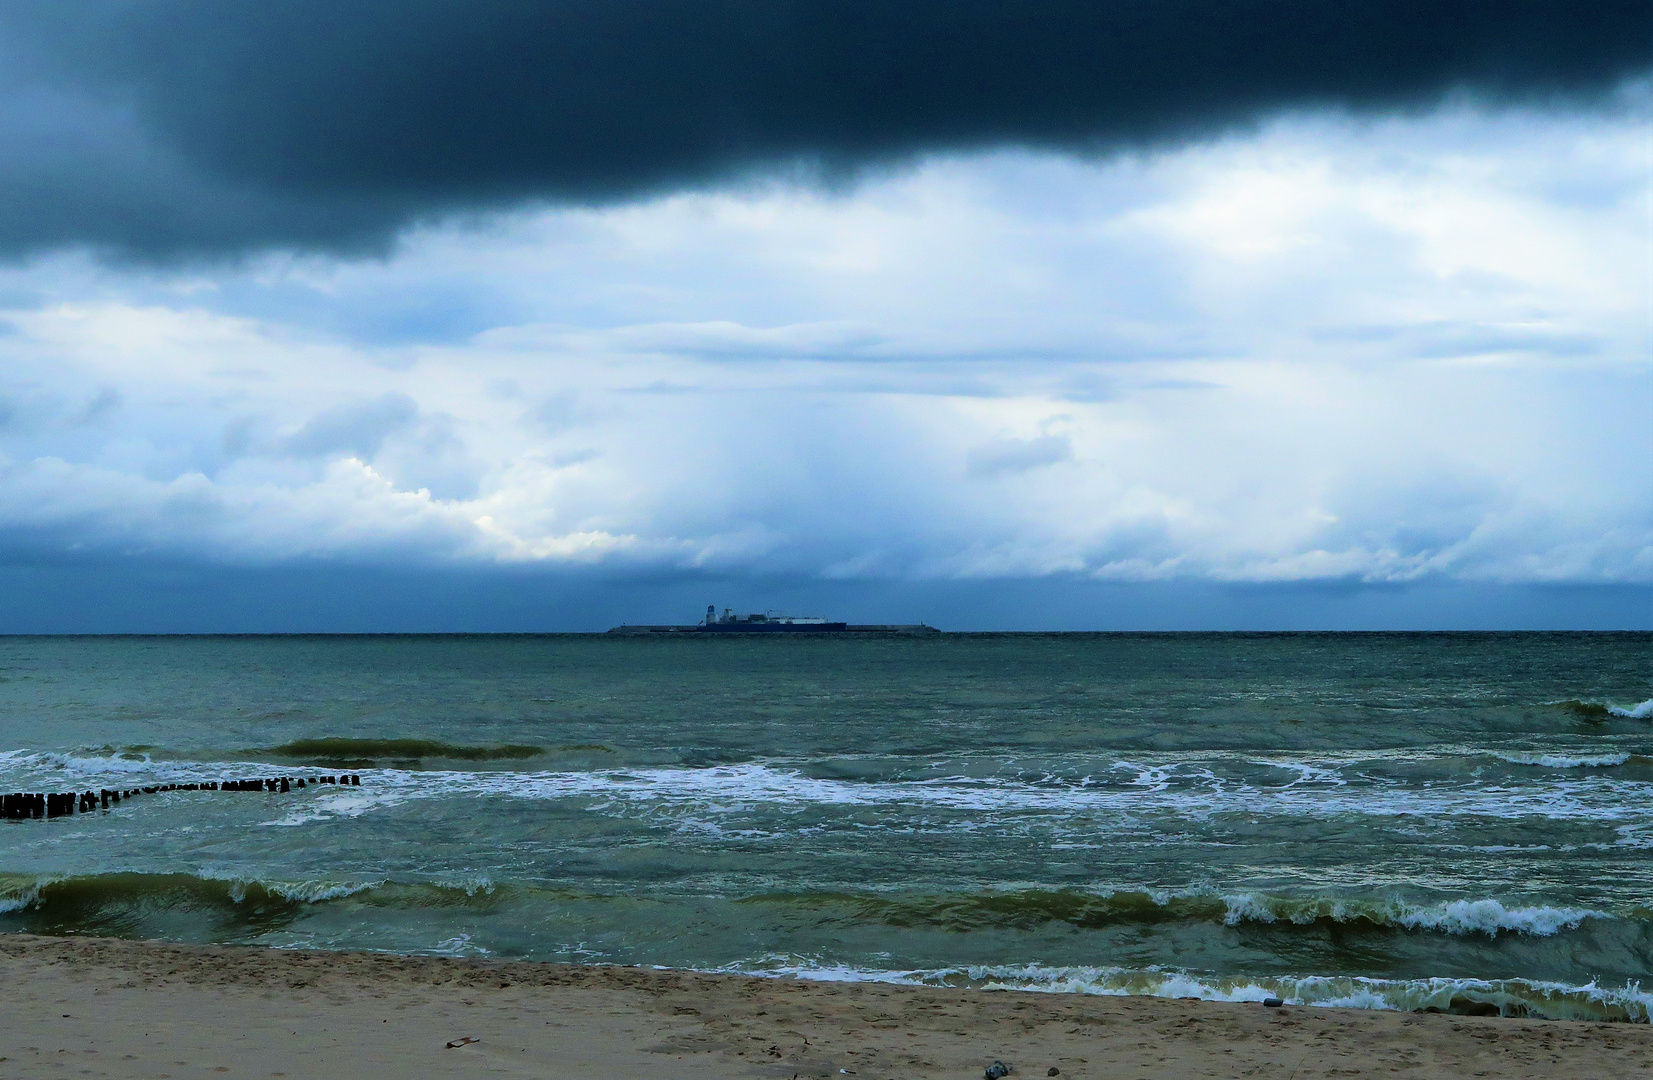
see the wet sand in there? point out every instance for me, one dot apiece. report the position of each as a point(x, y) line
point(102, 1007)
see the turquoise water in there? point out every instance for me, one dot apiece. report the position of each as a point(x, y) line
point(1386, 820)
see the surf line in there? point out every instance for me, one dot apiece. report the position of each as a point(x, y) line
point(19, 805)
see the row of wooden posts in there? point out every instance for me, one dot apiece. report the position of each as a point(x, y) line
point(19, 805)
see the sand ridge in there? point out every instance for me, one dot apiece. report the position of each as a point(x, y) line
point(105, 1007)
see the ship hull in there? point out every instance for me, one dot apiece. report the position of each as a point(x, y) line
point(916, 630)
point(773, 628)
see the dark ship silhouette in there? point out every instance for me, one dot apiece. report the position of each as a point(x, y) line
point(773, 623)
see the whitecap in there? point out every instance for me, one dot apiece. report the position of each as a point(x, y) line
point(1486, 916)
point(1562, 761)
point(1587, 1001)
point(1489, 917)
point(304, 892)
point(19, 901)
point(687, 795)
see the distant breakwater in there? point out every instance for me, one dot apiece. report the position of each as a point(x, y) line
point(23, 805)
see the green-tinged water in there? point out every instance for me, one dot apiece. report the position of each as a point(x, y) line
point(1392, 820)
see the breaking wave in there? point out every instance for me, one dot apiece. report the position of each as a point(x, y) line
point(340, 751)
point(1563, 761)
point(215, 905)
point(1467, 997)
point(209, 904)
point(1029, 908)
point(958, 912)
point(1600, 710)
point(706, 797)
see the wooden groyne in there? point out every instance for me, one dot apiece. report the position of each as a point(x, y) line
point(23, 805)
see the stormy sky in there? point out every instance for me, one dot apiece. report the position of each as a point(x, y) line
point(1198, 313)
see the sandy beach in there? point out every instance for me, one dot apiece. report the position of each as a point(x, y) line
point(103, 1007)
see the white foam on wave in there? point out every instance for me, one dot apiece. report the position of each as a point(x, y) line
point(308, 892)
point(53, 770)
point(1588, 1001)
point(89, 765)
point(334, 802)
point(1635, 836)
point(305, 892)
point(469, 884)
point(712, 795)
point(1635, 712)
point(72, 770)
point(1307, 772)
point(1489, 917)
point(459, 945)
point(1562, 761)
point(735, 789)
point(26, 897)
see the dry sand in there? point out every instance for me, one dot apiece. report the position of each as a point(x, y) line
point(100, 1007)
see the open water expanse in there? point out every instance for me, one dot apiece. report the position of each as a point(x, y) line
point(1391, 820)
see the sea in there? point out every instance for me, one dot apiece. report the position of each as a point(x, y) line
point(1460, 822)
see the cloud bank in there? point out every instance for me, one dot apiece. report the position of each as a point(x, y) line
point(920, 299)
point(169, 128)
point(1413, 352)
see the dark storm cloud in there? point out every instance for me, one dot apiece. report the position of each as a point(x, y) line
point(164, 127)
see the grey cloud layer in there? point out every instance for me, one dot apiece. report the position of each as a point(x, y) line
point(1406, 351)
point(167, 127)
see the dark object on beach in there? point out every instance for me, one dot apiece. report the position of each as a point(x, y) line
point(1272, 1003)
point(1054, 1071)
point(455, 1044)
point(997, 1069)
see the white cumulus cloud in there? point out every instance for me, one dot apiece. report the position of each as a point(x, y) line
point(1391, 351)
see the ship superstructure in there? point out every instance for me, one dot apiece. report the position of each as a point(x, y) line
point(772, 622)
point(769, 622)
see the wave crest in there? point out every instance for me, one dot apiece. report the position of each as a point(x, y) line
point(1030, 908)
point(1600, 710)
point(1563, 761)
point(341, 751)
point(211, 904)
point(1473, 997)
point(1489, 917)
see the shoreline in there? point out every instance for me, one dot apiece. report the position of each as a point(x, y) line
point(122, 1008)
